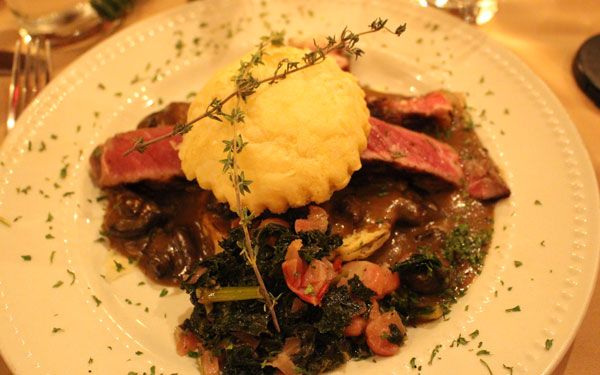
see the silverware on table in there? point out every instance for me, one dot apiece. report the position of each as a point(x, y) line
point(31, 71)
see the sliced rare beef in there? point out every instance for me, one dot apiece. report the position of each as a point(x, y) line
point(159, 162)
point(403, 148)
point(442, 115)
point(433, 109)
point(482, 176)
point(173, 114)
point(167, 223)
point(413, 151)
point(438, 114)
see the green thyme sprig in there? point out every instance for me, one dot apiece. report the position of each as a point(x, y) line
point(246, 84)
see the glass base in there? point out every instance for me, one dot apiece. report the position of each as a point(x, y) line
point(472, 11)
point(64, 27)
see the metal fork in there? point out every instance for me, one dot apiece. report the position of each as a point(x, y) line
point(31, 71)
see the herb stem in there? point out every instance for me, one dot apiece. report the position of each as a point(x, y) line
point(346, 43)
point(245, 85)
point(227, 294)
point(250, 255)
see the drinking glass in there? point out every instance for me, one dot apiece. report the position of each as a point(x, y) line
point(62, 21)
point(472, 11)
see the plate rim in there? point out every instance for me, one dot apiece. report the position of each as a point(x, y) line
point(20, 131)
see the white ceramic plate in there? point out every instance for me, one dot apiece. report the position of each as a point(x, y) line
point(88, 324)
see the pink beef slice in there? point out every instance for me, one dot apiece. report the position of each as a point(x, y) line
point(443, 111)
point(436, 107)
point(413, 151)
point(159, 162)
point(482, 176)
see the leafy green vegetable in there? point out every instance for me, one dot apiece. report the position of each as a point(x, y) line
point(338, 308)
point(418, 263)
point(320, 328)
point(317, 245)
point(395, 336)
point(359, 290)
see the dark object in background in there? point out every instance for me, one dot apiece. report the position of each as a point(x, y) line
point(111, 10)
point(586, 68)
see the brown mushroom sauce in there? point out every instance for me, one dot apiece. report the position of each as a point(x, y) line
point(168, 227)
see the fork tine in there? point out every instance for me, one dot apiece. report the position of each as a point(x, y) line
point(49, 66)
point(36, 78)
point(27, 86)
point(14, 88)
point(30, 74)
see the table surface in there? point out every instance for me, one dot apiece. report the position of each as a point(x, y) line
point(545, 34)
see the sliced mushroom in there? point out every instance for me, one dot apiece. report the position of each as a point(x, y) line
point(131, 215)
point(360, 244)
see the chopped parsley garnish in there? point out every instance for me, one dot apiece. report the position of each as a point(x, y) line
point(4, 221)
point(510, 369)
point(58, 284)
point(434, 352)
point(193, 354)
point(486, 366)
point(518, 263)
point(135, 79)
point(309, 290)
point(52, 256)
point(483, 352)
point(514, 309)
point(56, 329)
point(98, 302)
point(63, 171)
point(412, 362)
point(118, 266)
point(72, 276)
point(474, 334)
point(163, 292)
point(549, 343)
point(26, 258)
point(537, 203)
point(139, 353)
point(49, 218)
point(461, 340)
